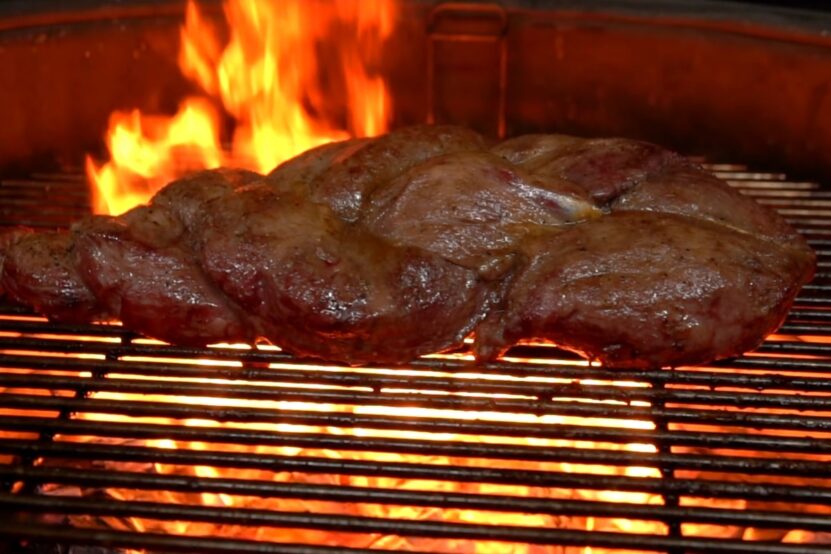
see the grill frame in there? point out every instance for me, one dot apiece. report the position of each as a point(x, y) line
point(691, 397)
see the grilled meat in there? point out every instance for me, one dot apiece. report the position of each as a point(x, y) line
point(381, 250)
point(473, 209)
point(648, 289)
point(356, 172)
point(7, 239)
point(41, 270)
point(315, 284)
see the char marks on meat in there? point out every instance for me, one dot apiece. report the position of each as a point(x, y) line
point(380, 250)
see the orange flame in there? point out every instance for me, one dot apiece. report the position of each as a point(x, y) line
point(269, 78)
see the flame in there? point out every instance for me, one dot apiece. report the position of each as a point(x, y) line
point(149, 151)
point(277, 77)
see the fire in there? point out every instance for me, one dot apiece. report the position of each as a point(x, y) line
point(149, 151)
point(276, 77)
point(368, 509)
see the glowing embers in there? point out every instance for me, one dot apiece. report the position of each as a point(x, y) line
point(537, 453)
point(162, 442)
point(292, 75)
point(369, 472)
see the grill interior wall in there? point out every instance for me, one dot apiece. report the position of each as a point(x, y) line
point(726, 82)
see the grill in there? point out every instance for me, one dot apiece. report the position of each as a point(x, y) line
point(112, 441)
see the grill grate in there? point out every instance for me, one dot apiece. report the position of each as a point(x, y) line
point(111, 440)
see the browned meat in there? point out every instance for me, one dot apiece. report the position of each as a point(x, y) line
point(7, 239)
point(685, 269)
point(300, 172)
point(381, 250)
point(649, 289)
point(686, 190)
point(473, 209)
point(631, 175)
point(320, 286)
point(186, 198)
point(41, 270)
point(144, 264)
point(354, 175)
point(603, 167)
point(154, 286)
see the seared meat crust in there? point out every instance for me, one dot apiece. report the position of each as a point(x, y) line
point(325, 287)
point(155, 287)
point(646, 289)
point(381, 250)
point(7, 239)
point(473, 209)
point(356, 173)
point(41, 270)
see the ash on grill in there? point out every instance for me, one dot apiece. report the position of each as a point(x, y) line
point(111, 440)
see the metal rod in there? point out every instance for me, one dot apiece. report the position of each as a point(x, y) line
point(167, 543)
point(534, 478)
point(559, 394)
point(445, 500)
point(178, 410)
point(761, 465)
point(359, 524)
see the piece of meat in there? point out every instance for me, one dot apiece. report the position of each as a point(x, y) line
point(632, 175)
point(356, 173)
point(687, 190)
point(185, 198)
point(41, 271)
point(155, 286)
point(673, 230)
point(639, 289)
point(379, 250)
point(145, 263)
point(605, 168)
point(300, 172)
point(473, 209)
point(324, 287)
point(7, 239)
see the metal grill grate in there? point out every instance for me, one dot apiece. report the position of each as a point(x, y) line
point(111, 440)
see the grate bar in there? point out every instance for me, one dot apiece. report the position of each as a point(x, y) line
point(570, 375)
point(168, 543)
point(259, 370)
point(442, 448)
point(537, 394)
point(497, 503)
point(445, 500)
point(737, 464)
point(359, 524)
point(690, 487)
point(437, 424)
point(359, 378)
point(45, 346)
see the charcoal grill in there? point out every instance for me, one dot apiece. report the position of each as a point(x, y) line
point(727, 452)
point(110, 442)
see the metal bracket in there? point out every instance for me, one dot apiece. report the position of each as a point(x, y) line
point(439, 29)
